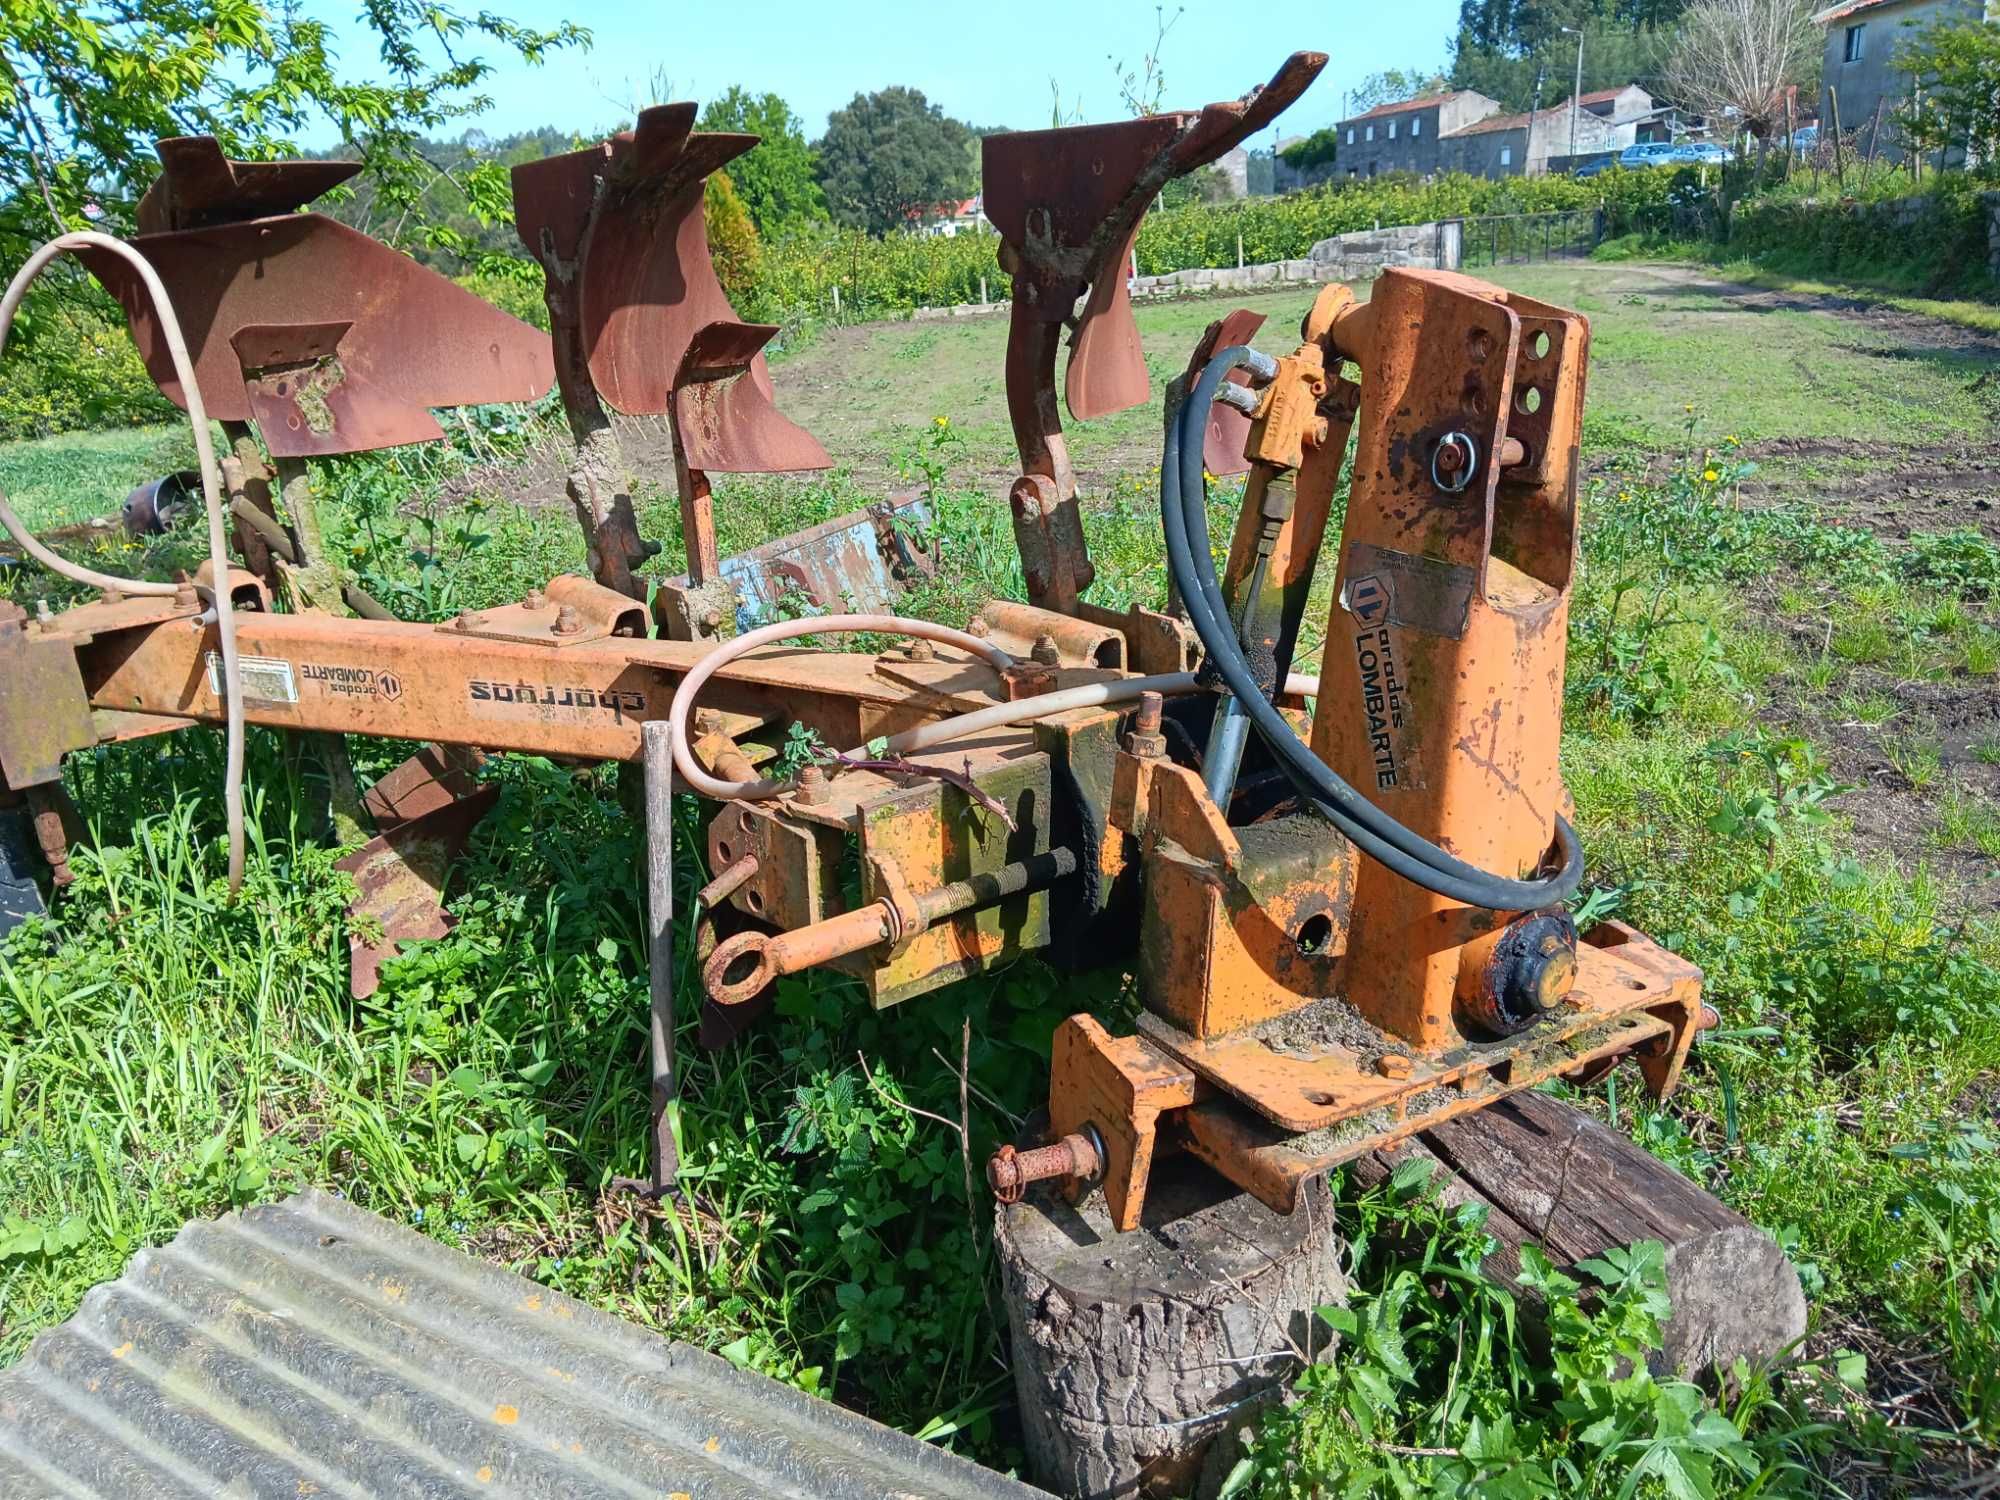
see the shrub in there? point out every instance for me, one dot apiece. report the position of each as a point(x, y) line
point(70, 364)
point(1942, 248)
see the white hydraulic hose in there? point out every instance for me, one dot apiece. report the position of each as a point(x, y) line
point(719, 790)
point(211, 487)
point(924, 736)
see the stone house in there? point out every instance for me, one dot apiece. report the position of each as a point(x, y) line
point(1521, 145)
point(1862, 38)
point(1630, 111)
point(1406, 136)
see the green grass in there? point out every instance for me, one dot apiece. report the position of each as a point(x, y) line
point(164, 1053)
point(78, 476)
point(1663, 338)
point(861, 390)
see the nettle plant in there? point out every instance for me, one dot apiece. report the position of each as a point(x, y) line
point(1770, 783)
point(1443, 1387)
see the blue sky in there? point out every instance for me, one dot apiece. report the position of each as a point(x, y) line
point(986, 64)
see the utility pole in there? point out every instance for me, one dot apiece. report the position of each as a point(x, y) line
point(1576, 93)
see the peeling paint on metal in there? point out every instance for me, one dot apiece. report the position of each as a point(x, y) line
point(262, 1355)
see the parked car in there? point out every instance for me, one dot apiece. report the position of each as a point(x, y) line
point(1592, 168)
point(1646, 154)
point(1698, 153)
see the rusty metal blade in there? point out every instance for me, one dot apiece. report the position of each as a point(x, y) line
point(1228, 428)
point(1050, 193)
point(307, 404)
point(1107, 364)
point(198, 186)
point(648, 285)
point(1221, 127)
point(726, 413)
point(401, 876)
point(1069, 203)
point(656, 140)
point(417, 339)
point(433, 778)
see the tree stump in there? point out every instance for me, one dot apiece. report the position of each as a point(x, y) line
point(1133, 1353)
point(1554, 1176)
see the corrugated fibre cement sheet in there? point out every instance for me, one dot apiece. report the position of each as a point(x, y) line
point(308, 1348)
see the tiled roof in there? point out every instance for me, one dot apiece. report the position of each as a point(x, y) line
point(1849, 8)
point(1422, 102)
point(1604, 96)
point(1495, 122)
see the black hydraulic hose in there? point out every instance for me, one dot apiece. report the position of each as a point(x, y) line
point(1379, 836)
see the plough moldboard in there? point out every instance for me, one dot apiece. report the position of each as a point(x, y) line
point(1342, 894)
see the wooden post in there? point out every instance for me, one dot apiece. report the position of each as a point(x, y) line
point(1791, 131)
point(1137, 1357)
point(836, 302)
point(1549, 1174)
point(655, 742)
point(315, 583)
point(1839, 151)
point(246, 479)
point(1874, 136)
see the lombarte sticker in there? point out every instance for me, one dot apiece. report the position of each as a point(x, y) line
point(352, 682)
point(1383, 705)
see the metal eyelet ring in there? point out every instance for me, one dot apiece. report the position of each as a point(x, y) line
point(1454, 461)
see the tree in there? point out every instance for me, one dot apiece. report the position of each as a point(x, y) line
point(1516, 51)
point(1392, 86)
point(1954, 103)
point(889, 156)
point(1735, 58)
point(732, 234)
point(88, 89)
point(776, 179)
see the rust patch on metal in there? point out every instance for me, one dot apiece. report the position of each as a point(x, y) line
point(401, 877)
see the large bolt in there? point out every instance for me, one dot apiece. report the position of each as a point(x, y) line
point(813, 787)
point(921, 650)
point(536, 598)
point(568, 621)
point(1145, 739)
point(978, 627)
point(1074, 1157)
point(1045, 651)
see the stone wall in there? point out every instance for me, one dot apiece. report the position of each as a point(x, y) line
point(1345, 257)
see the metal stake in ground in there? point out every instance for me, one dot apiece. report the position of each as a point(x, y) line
point(656, 742)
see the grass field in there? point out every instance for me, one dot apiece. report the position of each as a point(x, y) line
point(1783, 736)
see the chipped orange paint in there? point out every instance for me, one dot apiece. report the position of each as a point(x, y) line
point(485, 1474)
point(122, 1350)
point(506, 1415)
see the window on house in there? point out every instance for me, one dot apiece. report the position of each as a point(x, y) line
point(1506, 156)
point(1350, 135)
point(1371, 132)
point(1392, 130)
point(1853, 53)
point(1417, 125)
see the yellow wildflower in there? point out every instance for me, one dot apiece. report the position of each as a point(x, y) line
point(1710, 475)
point(940, 423)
